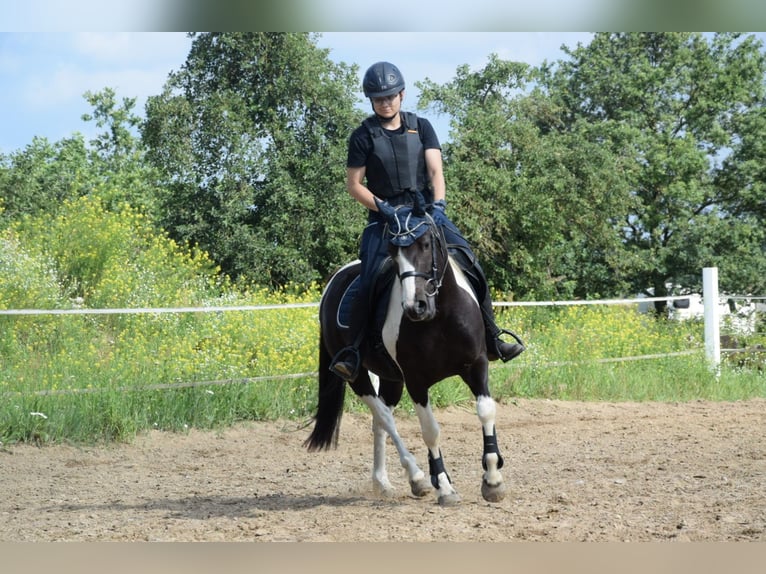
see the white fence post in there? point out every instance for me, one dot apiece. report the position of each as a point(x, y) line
point(712, 319)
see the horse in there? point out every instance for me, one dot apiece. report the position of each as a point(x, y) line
point(432, 329)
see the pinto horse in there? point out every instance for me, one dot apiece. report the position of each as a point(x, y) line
point(432, 329)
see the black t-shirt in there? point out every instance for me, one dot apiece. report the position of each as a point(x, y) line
point(360, 143)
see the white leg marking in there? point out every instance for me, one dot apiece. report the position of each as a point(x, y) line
point(486, 409)
point(429, 428)
point(384, 418)
point(380, 483)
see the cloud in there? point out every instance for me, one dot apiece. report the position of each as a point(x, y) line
point(136, 65)
point(132, 46)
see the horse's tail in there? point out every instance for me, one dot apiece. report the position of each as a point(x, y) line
point(332, 392)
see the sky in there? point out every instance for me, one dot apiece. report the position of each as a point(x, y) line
point(44, 75)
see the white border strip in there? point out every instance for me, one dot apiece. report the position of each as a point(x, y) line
point(126, 311)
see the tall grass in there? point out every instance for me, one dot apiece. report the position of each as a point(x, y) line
point(90, 378)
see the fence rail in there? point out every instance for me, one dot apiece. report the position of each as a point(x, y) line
point(712, 321)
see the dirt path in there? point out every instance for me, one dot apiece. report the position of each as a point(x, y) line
point(575, 472)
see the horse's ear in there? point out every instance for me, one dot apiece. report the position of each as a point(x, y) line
point(419, 208)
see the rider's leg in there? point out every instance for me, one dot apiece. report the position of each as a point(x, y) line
point(372, 252)
point(496, 347)
point(346, 362)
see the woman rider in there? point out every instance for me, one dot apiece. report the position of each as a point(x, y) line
point(391, 155)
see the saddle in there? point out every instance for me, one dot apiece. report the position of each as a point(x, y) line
point(379, 298)
point(381, 290)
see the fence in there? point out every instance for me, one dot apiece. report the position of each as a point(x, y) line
point(710, 298)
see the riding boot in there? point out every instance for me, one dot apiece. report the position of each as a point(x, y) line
point(347, 361)
point(496, 347)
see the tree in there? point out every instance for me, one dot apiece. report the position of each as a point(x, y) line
point(251, 137)
point(535, 199)
point(691, 113)
point(118, 156)
point(625, 168)
point(39, 177)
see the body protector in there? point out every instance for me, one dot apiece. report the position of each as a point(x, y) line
point(399, 163)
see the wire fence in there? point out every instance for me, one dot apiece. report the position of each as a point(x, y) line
point(311, 374)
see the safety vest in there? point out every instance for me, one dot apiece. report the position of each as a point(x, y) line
point(398, 161)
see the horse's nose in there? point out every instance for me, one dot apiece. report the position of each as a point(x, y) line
point(418, 310)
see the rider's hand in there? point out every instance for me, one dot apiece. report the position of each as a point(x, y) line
point(387, 211)
point(439, 211)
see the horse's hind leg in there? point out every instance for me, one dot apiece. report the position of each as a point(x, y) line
point(383, 424)
point(492, 485)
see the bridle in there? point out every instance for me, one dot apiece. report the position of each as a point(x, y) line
point(434, 278)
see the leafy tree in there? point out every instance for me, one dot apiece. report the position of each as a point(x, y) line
point(251, 137)
point(42, 175)
point(117, 154)
point(627, 167)
point(691, 113)
point(536, 200)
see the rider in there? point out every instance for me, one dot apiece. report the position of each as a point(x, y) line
point(398, 153)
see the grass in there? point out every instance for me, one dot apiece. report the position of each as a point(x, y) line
point(92, 378)
point(86, 378)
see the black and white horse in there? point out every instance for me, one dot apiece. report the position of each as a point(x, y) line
point(432, 328)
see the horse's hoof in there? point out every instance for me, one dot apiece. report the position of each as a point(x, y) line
point(449, 499)
point(492, 493)
point(420, 487)
point(381, 491)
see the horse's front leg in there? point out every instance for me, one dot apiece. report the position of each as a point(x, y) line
point(492, 485)
point(447, 495)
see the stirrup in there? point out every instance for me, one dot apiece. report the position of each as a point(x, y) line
point(346, 369)
point(512, 334)
point(514, 351)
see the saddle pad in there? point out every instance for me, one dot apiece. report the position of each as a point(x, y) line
point(347, 303)
point(382, 295)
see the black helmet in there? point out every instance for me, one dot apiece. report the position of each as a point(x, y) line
point(382, 79)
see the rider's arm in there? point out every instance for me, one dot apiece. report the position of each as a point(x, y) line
point(356, 188)
point(436, 173)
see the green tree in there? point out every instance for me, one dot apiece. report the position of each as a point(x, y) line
point(250, 135)
point(43, 175)
point(626, 167)
point(117, 154)
point(38, 178)
point(690, 110)
point(536, 200)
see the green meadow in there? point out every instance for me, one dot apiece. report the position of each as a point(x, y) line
point(89, 378)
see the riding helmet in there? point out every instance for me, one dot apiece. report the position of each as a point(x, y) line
point(382, 79)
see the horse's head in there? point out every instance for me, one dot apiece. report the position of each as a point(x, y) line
point(419, 251)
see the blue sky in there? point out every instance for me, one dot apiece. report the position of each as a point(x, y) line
point(45, 74)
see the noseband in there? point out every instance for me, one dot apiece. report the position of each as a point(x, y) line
point(434, 278)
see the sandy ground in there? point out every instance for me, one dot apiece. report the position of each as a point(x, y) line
point(575, 472)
